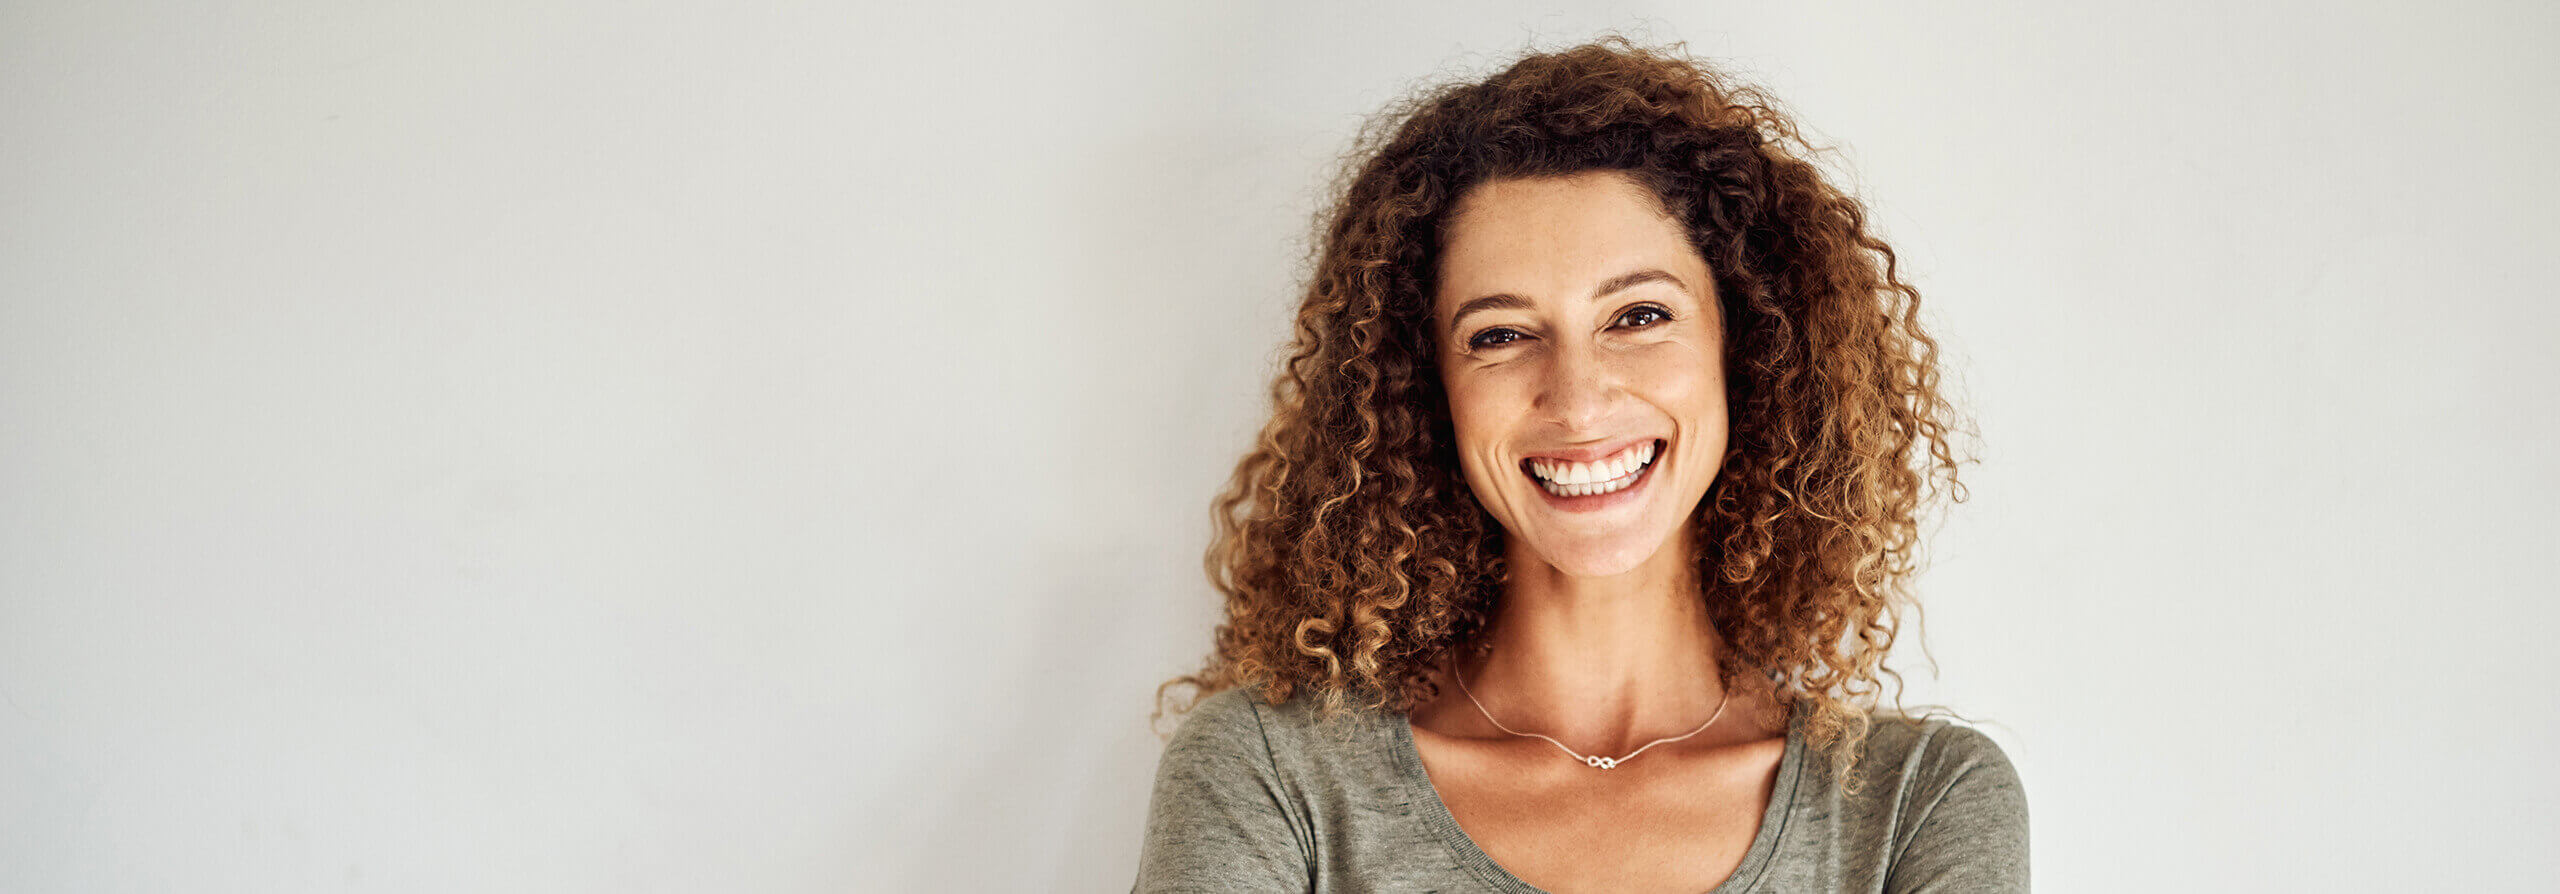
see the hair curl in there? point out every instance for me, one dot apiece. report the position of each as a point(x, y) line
point(1351, 552)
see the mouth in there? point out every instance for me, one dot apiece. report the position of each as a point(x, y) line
point(1611, 474)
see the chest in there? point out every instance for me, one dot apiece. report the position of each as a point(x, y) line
point(1680, 824)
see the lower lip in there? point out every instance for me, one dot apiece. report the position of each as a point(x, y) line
point(1597, 502)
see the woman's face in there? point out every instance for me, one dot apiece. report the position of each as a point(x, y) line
point(1580, 347)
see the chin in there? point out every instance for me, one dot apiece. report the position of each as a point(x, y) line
point(1597, 559)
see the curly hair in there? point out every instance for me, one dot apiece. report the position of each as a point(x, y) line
point(1354, 557)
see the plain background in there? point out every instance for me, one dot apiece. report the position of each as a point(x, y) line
point(651, 447)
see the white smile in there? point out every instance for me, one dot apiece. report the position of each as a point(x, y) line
point(1615, 473)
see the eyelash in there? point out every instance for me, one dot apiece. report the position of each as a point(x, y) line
point(1478, 341)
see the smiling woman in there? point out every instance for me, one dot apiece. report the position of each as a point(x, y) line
point(1583, 526)
point(1560, 399)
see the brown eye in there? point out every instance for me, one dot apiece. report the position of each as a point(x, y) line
point(1493, 338)
point(1641, 316)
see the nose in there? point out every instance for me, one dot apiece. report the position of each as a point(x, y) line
point(1581, 388)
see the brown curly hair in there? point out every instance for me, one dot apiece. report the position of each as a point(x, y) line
point(1351, 552)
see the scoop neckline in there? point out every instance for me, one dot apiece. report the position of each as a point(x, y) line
point(1435, 812)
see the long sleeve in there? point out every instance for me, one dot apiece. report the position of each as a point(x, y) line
point(1221, 818)
point(1972, 836)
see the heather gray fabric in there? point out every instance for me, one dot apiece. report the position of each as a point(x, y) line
point(1249, 797)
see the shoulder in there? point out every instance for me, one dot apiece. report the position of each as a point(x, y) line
point(1242, 716)
point(1224, 712)
point(1956, 806)
point(1934, 747)
point(1224, 731)
point(1222, 816)
point(1238, 733)
point(1922, 761)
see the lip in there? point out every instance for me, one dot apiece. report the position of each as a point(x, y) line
point(1589, 454)
point(1598, 502)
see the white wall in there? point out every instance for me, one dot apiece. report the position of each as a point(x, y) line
point(612, 447)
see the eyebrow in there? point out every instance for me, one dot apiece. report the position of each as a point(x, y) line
point(1616, 284)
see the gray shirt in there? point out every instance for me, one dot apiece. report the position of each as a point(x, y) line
point(1249, 797)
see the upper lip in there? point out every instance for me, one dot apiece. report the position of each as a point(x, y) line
point(1590, 454)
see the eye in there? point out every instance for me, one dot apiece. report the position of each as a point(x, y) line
point(1493, 338)
point(1643, 315)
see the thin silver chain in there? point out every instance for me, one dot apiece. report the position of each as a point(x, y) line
point(1605, 763)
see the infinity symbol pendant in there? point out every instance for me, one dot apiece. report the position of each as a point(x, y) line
point(1605, 763)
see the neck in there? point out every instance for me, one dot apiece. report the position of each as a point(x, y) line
point(1604, 663)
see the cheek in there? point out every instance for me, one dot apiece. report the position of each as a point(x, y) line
point(1686, 383)
point(1481, 412)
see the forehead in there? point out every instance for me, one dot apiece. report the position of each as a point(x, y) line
point(1550, 236)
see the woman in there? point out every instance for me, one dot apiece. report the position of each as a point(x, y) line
point(1581, 529)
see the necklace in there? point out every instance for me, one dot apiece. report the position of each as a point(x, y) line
point(1605, 763)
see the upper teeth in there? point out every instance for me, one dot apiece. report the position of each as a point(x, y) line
point(1612, 468)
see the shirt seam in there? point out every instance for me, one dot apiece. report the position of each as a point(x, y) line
point(1928, 739)
point(1306, 853)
